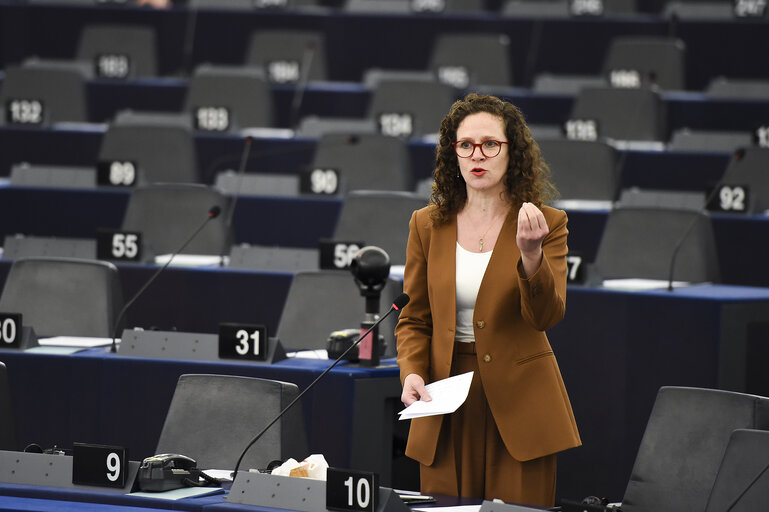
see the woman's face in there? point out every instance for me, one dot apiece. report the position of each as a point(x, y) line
point(480, 172)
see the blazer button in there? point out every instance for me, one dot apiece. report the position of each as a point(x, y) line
point(487, 358)
point(480, 324)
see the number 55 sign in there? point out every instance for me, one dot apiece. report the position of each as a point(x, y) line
point(351, 490)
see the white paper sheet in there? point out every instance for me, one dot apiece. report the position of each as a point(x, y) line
point(635, 284)
point(75, 341)
point(178, 494)
point(193, 260)
point(447, 395)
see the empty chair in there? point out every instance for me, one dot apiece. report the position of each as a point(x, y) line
point(278, 259)
point(167, 214)
point(221, 99)
point(286, 54)
point(410, 108)
point(742, 481)
point(258, 184)
point(565, 8)
point(463, 60)
point(252, 4)
point(7, 421)
point(738, 88)
point(640, 243)
point(58, 176)
point(40, 93)
point(620, 114)
point(580, 169)
point(694, 10)
point(63, 296)
point(646, 61)
point(156, 147)
point(683, 444)
point(414, 6)
point(305, 325)
point(365, 161)
point(18, 246)
point(231, 410)
point(748, 169)
point(380, 219)
point(119, 51)
point(700, 141)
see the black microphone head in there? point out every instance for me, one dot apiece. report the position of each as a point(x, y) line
point(739, 153)
point(400, 301)
point(214, 211)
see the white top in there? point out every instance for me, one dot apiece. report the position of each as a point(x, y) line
point(470, 269)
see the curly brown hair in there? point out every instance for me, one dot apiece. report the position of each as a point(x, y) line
point(527, 178)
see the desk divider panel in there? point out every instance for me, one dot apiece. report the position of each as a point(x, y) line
point(298, 494)
point(184, 345)
point(49, 470)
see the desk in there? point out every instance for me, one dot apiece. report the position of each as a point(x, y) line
point(97, 397)
point(615, 350)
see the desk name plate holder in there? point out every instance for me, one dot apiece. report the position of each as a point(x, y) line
point(184, 345)
point(299, 494)
point(52, 471)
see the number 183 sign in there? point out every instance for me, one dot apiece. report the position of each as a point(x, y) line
point(348, 490)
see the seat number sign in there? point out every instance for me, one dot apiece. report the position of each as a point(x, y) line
point(348, 490)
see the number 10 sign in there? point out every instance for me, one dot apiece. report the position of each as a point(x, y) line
point(348, 490)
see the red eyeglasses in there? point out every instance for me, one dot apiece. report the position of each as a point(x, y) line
point(489, 148)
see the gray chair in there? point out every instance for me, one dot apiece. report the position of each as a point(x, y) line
point(635, 197)
point(737, 88)
point(582, 169)
point(414, 6)
point(250, 5)
point(63, 296)
point(227, 98)
point(285, 54)
point(701, 141)
point(167, 214)
point(213, 417)
point(41, 93)
point(410, 108)
point(321, 302)
point(563, 9)
point(464, 60)
point(277, 259)
point(653, 61)
point(365, 161)
point(159, 146)
point(622, 114)
point(699, 10)
point(742, 481)
point(7, 419)
point(640, 243)
point(748, 167)
point(683, 444)
point(258, 184)
point(379, 218)
point(119, 51)
point(55, 176)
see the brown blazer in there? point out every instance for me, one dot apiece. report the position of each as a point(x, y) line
point(520, 375)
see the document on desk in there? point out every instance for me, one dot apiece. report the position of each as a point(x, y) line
point(447, 395)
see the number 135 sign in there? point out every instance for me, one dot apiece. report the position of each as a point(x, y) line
point(351, 490)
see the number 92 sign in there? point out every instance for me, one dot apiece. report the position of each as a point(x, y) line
point(348, 490)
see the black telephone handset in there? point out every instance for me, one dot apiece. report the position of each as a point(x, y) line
point(167, 471)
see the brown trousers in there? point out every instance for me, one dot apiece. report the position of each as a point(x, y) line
point(471, 460)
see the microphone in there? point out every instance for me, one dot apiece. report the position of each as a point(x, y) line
point(241, 171)
point(189, 41)
point(301, 85)
point(213, 213)
point(400, 301)
point(738, 155)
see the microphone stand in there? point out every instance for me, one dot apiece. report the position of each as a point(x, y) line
point(312, 384)
point(212, 214)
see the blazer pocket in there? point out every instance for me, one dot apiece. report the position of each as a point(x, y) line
point(534, 357)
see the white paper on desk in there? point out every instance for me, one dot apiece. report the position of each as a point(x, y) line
point(458, 508)
point(447, 395)
point(637, 284)
point(193, 260)
point(75, 341)
point(178, 494)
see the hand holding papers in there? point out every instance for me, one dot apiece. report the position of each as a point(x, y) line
point(447, 395)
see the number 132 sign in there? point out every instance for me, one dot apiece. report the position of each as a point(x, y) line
point(351, 490)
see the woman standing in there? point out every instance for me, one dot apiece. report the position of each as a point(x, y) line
point(486, 273)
